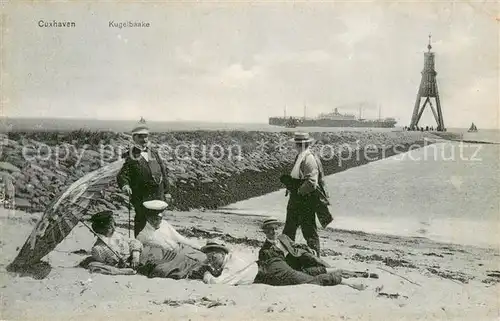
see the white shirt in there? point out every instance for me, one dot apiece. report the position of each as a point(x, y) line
point(235, 271)
point(296, 167)
point(163, 238)
point(311, 167)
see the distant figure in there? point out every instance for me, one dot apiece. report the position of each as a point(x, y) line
point(282, 262)
point(9, 191)
point(143, 176)
point(309, 197)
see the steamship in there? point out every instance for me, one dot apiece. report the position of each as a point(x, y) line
point(333, 119)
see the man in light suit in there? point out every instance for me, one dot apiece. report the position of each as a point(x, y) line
point(307, 194)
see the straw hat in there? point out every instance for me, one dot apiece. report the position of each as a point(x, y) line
point(270, 222)
point(302, 137)
point(155, 205)
point(214, 246)
point(140, 128)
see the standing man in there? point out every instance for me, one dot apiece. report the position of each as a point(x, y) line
point(309, 197)
point(143, 176)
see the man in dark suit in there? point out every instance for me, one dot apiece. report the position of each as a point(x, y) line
point(143, 176)
point(282, 262)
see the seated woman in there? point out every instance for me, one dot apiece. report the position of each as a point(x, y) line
point(113, 253)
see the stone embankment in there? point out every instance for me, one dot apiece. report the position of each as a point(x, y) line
point(207, 169)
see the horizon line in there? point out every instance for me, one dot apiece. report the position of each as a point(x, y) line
point(174, 121)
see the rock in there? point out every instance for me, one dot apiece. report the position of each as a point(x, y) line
point(8, 167)
point(5, 176)
point(36, 167)
point(22, 203)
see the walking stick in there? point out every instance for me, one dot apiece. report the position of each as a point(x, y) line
point(129, 216)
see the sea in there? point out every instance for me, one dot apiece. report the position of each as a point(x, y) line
point(447, 191)
point(70, 124)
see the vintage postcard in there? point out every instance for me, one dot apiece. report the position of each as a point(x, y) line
point(249, 160)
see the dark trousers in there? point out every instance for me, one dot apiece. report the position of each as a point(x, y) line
point(301, 212)
point(141, 211)
point(278, 273)
point(139, 218)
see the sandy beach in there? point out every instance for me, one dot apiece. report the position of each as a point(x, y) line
point(418, 278)
point(434, 281)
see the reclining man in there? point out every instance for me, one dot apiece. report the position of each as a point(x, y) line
point(226, 267)
point(282, 262)
point(168, 254)
point(220, 267)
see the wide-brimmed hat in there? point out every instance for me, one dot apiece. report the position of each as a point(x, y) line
point(140, 128)
point(213, 246)
point(270, 222)
point(302, 137)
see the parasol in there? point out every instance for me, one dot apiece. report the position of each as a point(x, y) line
point(72, 206)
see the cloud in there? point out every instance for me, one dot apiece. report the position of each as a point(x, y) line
point(235, 73)
point(246, 62)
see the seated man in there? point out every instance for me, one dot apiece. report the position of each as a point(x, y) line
point(225, 267)
point(282, 263)
point(113, 253)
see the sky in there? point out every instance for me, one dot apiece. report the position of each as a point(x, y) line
point(245, 62)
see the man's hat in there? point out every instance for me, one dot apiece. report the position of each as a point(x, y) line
point(213, 246)
point(140, 128)
point(103, 217)
point(302, 137)
point(270, 222)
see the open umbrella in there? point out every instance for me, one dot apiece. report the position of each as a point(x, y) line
point(72, 206)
